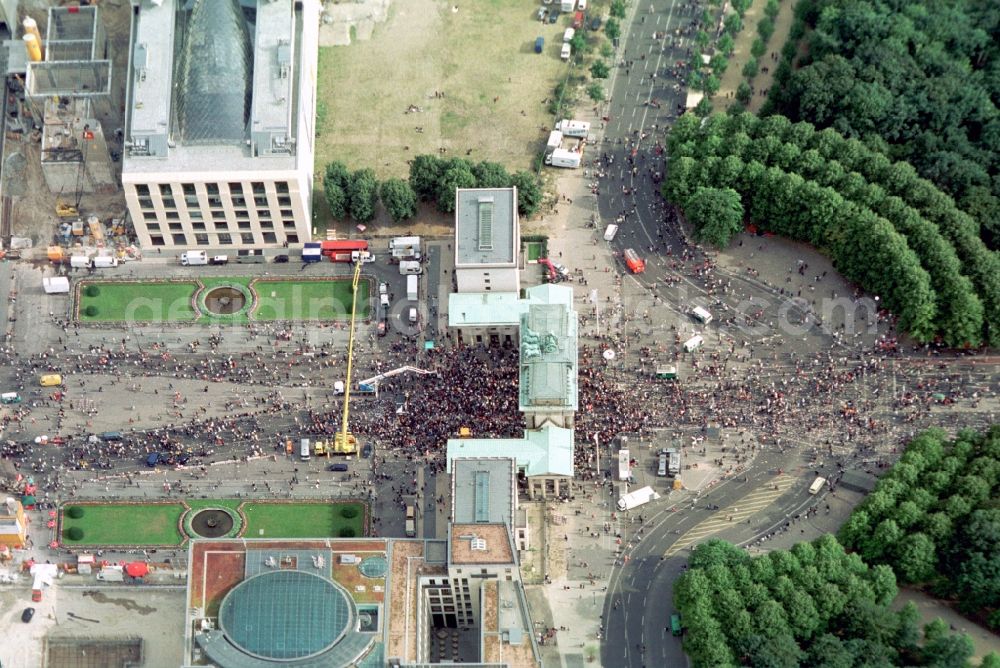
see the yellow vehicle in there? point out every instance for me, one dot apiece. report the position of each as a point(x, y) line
point(50, 380)
point(319, 448)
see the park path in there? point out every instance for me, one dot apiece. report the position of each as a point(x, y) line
point(741, 54)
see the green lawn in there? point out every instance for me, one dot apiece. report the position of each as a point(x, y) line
point(280, 299)
point(309, 300)
point(127, 524)
point(138, 302)
point(533, 250)
point(300, 520)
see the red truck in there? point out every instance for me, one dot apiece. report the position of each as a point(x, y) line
point(340, 251)
point(578, 20)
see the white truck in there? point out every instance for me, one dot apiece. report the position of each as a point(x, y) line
point(561, 157)
point(554, 141)
point(578, 129)
point(79, 261)
point(817, 485)
point(407, 267)
point(566, 52)
point(637, 498)
point(411, 287)
point(194, 258)
point(405, 247)
point(105, 262)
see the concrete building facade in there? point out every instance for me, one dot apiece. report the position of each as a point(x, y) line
point(220, 116)
point(13, 525)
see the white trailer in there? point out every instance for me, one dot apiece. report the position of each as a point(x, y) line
point(564, 158)
point(411, 287)
point(194, 258)
point(405, 247)
point(567, 5)
point(637, 498)
point(701, 315)
point(566, 52)
point(578, 129)
point(409, 267)
point(554, 141)
point(624, 467)
point(693, 344)
point(79, 261)
point(817, 485)
point(567, 36)
point(105, 262)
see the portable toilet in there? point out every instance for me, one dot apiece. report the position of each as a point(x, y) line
point(539, 44)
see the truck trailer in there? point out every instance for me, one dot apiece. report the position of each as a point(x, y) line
point(578, 129)
point(340, 250)
point(637, 498)
point(194, 258)
point(312, 252)
point(411, 287)
point(405, 248)
point(561, 157)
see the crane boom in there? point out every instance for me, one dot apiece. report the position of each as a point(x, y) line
point(345, 441)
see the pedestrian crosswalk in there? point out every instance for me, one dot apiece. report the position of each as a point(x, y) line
point(741, 510)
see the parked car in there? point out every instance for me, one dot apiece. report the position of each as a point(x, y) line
point(281, 259)
point(27, 615)
point(553, 16)
point(337, 467)
point(595, 23)
point(542, 13)
point(366, 451)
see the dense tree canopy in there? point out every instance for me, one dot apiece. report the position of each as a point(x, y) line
point(923, 78)
point(933, 518)
point(435, 179)
point(398, 198)
point(866, 212)
point(813, 605)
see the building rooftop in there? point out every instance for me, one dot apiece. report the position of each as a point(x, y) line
point(545, 451)
point(480, 544)
point(213, 83)
point(548, 357)
point(484, 309)
point(486, 226)
point(483, 491)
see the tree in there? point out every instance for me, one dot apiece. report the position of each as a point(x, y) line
point(710, 85)
point(950, 651)
point(490, 175)
point(717, 215)
point(750, 68)
point(399, 199)
point(719, 64)
point(457, 175)
point(335, 182)
point(595, 92)
point(702, 39)
point(765, 28)
point(425, 173)
point(772, 9)
point(607, 51)
point(744, 93)
point(741, 6)
point(579, 44)
point(703, 108)
point(758, 48)
point(612, 29)
point(74, 533)
point(916, 558)
point(733, 24)
point(599, 70)
point(529, 193)
point(726, 45)
point(618, 9)
point(363, 195)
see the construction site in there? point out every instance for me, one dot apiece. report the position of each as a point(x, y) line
point(63, 139)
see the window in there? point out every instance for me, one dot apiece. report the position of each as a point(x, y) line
point(179, 239)
point(188, 188)
point(281, 186)
point(195, 214)
point(149, 215)
point(198, 227)
point(219, 215)
point(156, 240)
point(201, 239)
point(239, 201)
point(260, 201)
point(166, 190)
point(247, 238)
point(146, 202)
point(176, 227)
point(225, 239)
point(142, 190)
point(168, 203)
point(287, 213)
point(266, 225)
point(191, 200)
point(153, 227)
point(212, 188)
point(173, 215)
point(292, 238)
point(263, 213)
point(245, 225)
point(284, 201)
point(235, 188)
point(258, 188)
point(270, 238)
point(243, 215)
point(289, 224)
point(214, 202)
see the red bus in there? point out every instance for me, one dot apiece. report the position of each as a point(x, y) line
point(633, 261)
point(330, 248)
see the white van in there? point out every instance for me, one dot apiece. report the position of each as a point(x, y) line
point(412, 315)
point(693, 343)
point(383, 299)
point(609, 232)
point(567, 51)
point(409, 267)
point(194, 258)
point(568, 35)
point(105, 262)
point(701, 315)
point(817, 485)
point(79, 261)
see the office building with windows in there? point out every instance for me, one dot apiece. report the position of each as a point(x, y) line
point(220, 114)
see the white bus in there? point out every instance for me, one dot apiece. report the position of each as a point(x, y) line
point(304, 452)
point(817, 485)
point(701, 315)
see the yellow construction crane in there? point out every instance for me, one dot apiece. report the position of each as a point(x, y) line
point(344, 442)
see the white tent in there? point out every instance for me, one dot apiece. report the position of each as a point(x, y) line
point(56, 285)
